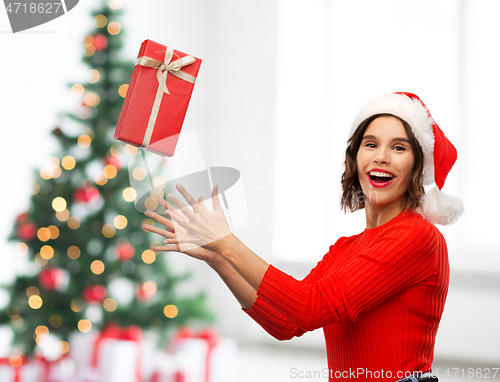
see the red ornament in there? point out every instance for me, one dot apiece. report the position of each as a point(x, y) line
point(94, 293)
point(125, 251)
point(112, 160)
point(86, 195)
point(26, 231)
point(100, 42)
point(52, 279)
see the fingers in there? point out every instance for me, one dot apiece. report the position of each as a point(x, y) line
point(215, 198)
point(189, 198)
point(162, 232)
point(160, 219)
point(185, 209)
point(166, 248)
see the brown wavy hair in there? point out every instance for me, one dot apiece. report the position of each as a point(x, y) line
point(353, 197)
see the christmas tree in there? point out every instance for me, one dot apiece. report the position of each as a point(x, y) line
point(88, 257)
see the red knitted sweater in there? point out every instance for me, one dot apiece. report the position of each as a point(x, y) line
point(378, 296)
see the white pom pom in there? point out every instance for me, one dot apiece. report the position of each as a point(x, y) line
point(440, 208)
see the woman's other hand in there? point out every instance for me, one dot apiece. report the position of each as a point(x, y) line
point(198, 233)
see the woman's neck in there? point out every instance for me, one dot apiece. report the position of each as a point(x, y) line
point(376, 214)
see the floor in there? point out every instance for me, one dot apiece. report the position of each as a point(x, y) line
point(264, 363)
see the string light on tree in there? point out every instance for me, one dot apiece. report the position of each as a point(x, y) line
point(77, 91)
point(114, 28)
point(100, 21)
point(93, 76)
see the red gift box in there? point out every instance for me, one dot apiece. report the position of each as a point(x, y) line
point(157, 98)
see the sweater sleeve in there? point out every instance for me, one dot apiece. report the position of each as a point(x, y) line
point(274, 322)
point(398, 258)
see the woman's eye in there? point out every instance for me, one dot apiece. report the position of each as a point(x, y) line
point(371, 145)
point(400, 148)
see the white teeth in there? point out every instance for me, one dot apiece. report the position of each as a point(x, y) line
point(380, 174)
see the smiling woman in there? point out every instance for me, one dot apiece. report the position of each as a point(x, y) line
point(403, 146)
point(378, 295)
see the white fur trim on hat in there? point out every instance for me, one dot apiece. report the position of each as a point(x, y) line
point(412, 112)
point(440, 208)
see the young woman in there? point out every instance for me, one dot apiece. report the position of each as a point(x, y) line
point(378, 295)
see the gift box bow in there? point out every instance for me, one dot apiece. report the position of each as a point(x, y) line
point(163, 68)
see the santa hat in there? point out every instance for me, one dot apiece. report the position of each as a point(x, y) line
point(439, 153)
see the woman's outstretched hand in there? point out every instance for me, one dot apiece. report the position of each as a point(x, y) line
point(198, 233)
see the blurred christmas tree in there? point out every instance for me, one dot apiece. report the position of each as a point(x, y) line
point(89, 262)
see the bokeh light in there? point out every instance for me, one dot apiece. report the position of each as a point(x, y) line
point(149, 221)
point(148, 256)
point(108, 230)
point(114, 28)
point(21, 248)
point(100, 179)
point(91, 99)
point(76, 305)
point(73, 252)
point(59, 204)
point(41, 331)
point(129, 194)
point(40, 261)
point(120, 222)
point(47, 252)
point(74, 222)
point(170, 311)
point(100, 21)
point(110, 304)
point(151, 203)
point(32, 291)
point(110, 171)
point(68, 162)
point(97, 267)
point(115, 150)
point(35, 188)
point(35, 302)
point(89, 49)
point(138, 173)
point(63, 347)
point(93, 76)
point(115, 4)
point(159, 181)
point(130, 150)
point(62, 215)
point(43, 234)
point(122, 90)
point(15, 360)
point(54, 231)
point(84, 141)
point(84, 326)
point(77, 90)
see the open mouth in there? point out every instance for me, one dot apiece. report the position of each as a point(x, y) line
point(380, 177)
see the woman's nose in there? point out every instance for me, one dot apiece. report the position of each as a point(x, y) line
point(381, 156)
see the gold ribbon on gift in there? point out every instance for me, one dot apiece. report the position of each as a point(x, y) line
point(163, 68)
